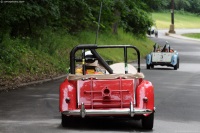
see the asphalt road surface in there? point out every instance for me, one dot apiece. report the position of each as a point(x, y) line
point(34, 108)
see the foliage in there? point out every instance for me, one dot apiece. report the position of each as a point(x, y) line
point(158, 5)
point(192, 6)
point(24, 19)
point(21, 61)
point(136, 20)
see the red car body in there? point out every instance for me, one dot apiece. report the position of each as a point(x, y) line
point(124, 95)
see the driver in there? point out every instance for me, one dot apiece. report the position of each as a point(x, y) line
point(91, 66)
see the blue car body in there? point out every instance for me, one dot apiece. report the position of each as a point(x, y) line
point(164, 57)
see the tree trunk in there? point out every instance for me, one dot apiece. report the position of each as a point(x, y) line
point(116, 22)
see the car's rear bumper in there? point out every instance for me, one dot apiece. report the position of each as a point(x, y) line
point(100, 112)
point(162, 63)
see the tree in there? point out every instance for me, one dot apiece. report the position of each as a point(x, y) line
point(135, 18)
point(28, 18)
point(158, 5)
point(182, 4)
point(21, 18)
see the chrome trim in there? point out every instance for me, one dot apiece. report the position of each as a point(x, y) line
point(134, 90)
point(123, 111)
point(131, 109)
point(82, 111)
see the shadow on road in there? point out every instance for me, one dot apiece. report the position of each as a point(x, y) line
point(105, 124)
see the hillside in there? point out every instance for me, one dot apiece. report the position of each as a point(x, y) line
point(23, 62)
point(37, 36)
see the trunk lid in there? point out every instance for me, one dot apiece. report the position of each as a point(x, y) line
point(100, 94)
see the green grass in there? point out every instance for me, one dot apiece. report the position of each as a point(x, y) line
point(143, 44)
point(24, 59)
point(181, 20)
point(192, 35)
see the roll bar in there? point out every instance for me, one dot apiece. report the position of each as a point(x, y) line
point(92, 48)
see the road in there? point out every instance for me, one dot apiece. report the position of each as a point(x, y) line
point(34, 108)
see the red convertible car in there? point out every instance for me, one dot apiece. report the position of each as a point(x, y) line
point(93, 89)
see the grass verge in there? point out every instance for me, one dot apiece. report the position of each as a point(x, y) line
point(192, 35)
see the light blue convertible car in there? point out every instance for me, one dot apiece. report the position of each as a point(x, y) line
point(165, 56)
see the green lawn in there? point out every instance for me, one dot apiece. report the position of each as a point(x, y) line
point(186, 20)
point(192, 35)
